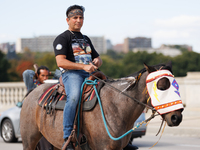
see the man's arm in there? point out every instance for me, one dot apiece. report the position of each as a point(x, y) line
point(69, 65)
point(28, 77)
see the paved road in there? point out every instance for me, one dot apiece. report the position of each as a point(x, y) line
point(184, 137)
point(167, 142)
point(10, 146)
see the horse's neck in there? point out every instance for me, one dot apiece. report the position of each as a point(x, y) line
point(118, 105)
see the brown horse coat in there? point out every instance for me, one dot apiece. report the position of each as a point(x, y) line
point(120, 113)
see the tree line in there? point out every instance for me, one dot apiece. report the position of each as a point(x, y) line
point(115, 65)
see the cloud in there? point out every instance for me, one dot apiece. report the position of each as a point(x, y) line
point(179, 21)
point(171, 34)
point(182, 27)
point(177, 30)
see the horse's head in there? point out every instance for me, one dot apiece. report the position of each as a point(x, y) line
point(164, 93)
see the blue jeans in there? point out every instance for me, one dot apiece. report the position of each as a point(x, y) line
point(72, 81)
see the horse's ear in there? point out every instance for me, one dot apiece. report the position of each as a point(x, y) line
point(169, 64)
point(149, 68)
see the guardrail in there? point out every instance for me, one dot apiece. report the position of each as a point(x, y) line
point(11, 93)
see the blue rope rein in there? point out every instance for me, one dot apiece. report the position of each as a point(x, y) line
point(94, 83)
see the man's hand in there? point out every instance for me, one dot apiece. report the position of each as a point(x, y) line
point(97, 61)
point(90, 68)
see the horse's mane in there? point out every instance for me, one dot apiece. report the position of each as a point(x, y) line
point(158, 66)
point(136, 74)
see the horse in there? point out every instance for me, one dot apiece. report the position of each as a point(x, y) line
point(120, 110)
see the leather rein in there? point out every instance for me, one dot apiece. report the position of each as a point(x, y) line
point(122, 92)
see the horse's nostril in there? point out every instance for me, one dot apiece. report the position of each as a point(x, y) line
point(174, 119)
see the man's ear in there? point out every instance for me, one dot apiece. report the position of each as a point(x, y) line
point(149, 68)
point(67, 19)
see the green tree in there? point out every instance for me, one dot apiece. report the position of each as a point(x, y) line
point(4, 66)
point(14, 75)
point(188, 61)
point(133, 62)
point(115, 65)
point(48, 60)
point(110, 67)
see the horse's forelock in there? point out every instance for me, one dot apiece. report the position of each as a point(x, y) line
point(157, 67)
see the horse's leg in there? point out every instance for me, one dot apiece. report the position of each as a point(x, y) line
point(44, 144)
point(30, 133)
point(30, 142)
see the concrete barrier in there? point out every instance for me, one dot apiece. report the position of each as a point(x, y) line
point(190, 89)
point(13, 92)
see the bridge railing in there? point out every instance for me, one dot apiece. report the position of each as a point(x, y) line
point(11, 93)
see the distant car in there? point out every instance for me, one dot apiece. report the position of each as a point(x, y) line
point(141, 131)
point(9, 124)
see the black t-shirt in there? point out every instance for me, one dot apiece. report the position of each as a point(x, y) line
point(76, 47)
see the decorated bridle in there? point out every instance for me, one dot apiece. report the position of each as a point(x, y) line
point(167, 100)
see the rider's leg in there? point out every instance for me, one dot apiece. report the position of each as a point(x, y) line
point(72, 81)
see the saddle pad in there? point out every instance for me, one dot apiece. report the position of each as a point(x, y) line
point(92, 99)
point(47, 95)
point(60, 104)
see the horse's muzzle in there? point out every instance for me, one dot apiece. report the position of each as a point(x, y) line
point(173, 118)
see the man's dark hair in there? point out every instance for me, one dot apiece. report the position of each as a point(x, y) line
point(43, 68)
point(74, 7)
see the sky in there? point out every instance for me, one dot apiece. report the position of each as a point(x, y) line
point(164, 21)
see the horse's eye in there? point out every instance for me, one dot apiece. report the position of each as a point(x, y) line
point(163, 84)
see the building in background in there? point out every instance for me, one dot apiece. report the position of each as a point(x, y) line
point(45, 44)
point(137, 42)
point(118, 48)
point(99, 43)
point(109, 45)
point(181, 47)
point(8, 49)
point(36, 44)
point(165, 50)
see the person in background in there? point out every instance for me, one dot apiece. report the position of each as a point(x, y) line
point(33, 79)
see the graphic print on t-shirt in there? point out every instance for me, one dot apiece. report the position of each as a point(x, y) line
point(79, 53)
